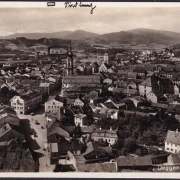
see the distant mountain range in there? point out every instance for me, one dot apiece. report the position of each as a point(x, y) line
point(142, 36)
point(72, 35)
point(136, 36)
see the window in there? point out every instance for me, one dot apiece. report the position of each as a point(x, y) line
point(167, 148)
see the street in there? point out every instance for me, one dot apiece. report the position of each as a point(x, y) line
point(38, 140)
point(38, 135)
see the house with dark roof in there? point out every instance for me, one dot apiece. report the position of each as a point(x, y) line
point(55, 132)
point(9, 132)
point(172, 142)
point(17, 157)
point(95, 153)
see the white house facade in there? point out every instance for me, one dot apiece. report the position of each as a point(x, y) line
point(172, 142)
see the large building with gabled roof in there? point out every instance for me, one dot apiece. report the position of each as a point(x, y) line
point(26, 102)
point(172, 141)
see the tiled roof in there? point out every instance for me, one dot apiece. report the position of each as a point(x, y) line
point(134, 161)
point(173, 137)
point(97, 167)
point(5, 129)
point(160, 105)
point(94, 79)
point(105, 133)
point(60, 98)
point(80, 116)
point(130, 91)
point(175, 158)
point(151, 81)
point(99, 115)
point(17, 159)
point(92, 146)
point(30, 95)
point(88, 129)
point(59, 131)
point(44, 84)
point(11, 119)
point(132, 75)
point(110, 105)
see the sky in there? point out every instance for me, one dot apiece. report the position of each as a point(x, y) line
point(103, 20)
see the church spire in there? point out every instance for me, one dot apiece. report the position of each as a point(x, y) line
point(106, 57)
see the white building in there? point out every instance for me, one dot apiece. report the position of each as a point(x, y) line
point(145, 87)
point(172, 141)
point(106, 135)
point(80, 119)
point(176, 90)
point(153, 97)
point(78, 102)
point(26, 103)
point(54, 105)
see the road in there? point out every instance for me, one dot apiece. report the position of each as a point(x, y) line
point(38, 140)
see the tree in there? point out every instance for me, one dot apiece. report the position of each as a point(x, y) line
point(119, 144)
point(130, 144)
point(139, 152)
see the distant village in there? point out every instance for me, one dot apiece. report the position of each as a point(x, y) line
point(116, 110)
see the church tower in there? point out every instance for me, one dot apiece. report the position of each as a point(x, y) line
point(106, 57)
point(70, 62)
